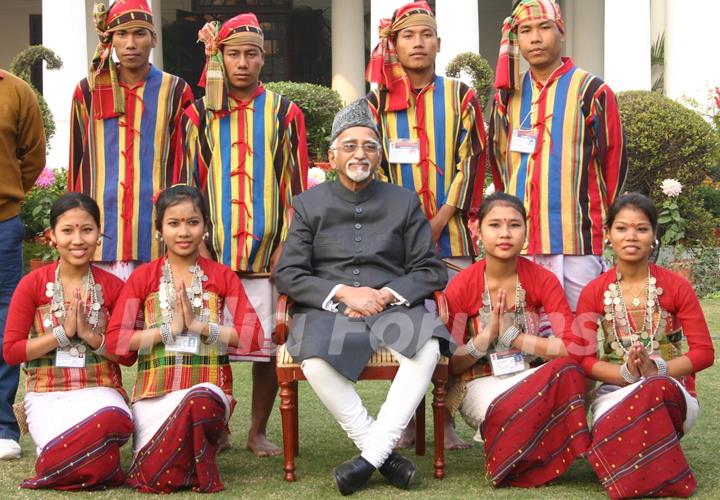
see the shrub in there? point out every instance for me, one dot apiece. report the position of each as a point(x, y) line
point(35, 209)
point(480, 72)
point(21, 66)
point(319, 104)
point(710, 197)
point(667, 140)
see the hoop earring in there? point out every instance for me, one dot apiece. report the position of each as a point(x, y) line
point(654, 244)
point(607, 242)
point(206, 235)
point(158, 236)
point(100, 240)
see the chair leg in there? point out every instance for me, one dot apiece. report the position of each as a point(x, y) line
point(296, 422)
point(420, 428)
point(439, 392)
point(287, 409)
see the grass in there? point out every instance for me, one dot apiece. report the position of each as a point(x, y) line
point(323, 445)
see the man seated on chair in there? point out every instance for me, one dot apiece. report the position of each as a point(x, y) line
point(359, 263)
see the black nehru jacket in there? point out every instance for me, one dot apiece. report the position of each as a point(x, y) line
point(377, 237)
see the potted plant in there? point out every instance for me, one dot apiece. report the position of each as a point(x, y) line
point(35, 213)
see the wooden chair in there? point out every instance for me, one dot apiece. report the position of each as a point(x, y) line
point(382, 366)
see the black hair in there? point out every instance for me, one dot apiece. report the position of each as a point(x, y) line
point(503, 199)
point(635, 201)
point(68, 201)
point(177, 194)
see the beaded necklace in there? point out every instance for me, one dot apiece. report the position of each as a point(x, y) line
point(617, 314)
point(519, 317)
point(197, 296)
point(56, 315)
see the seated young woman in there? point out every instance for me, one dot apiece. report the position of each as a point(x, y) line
point(646, 400)
point(75, 405)
point(171, 314)
point(529, 412)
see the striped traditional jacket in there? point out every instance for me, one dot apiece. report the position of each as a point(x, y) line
point(123, 161)
point(446, 118)
point(579, 164)
point(249, 159)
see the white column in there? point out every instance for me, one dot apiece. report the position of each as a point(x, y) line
point(71, 45)
point(348, 49)
point(380, 9)
point(587, 33)
point(627, 44)
point(156, 57)
point(691, 66)
point(458, 28)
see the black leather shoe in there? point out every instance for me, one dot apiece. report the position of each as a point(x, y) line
point(352, 475)
point(398, 470)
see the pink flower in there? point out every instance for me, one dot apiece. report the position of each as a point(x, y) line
point(46, 178)
point(316, 175)
point(717, 97)
point(671, 188)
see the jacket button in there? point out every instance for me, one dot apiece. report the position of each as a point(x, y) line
point(358, 238)
point(358, 210)
point(358, 249)
point(358, 226)
point(356, 271)
point(356, 284)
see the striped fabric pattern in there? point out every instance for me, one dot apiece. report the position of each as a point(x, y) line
point(535, 430)
point(579, 164)
point(160, 372)
point(122, 162)
point(249, 161)
point(41, 374)
point(636, 448)
point(446, 117)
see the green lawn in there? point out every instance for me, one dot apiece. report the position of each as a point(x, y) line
point(323, 445)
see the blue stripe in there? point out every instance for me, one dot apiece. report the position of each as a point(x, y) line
point(226, 195)
point(438, 100)
point(111, 186)
point(555, 166)
point(148, 123)
point(403, 132)
point(259, 170)
point(525, 108)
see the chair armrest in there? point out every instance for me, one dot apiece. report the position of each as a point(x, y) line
point(282, 319)
point(442, 306)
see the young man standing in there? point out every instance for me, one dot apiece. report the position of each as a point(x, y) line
point(22, 158)
point(245, 148)
point(432, 134)
point(124, 118)
point(557, 144)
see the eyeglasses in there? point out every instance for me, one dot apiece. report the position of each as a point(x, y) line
point(350, 148)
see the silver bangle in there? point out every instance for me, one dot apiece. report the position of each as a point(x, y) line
point(626, 375)
point(661, 366)
point(166, 334)
point(472, 350)
point(61, 336)
point(507, 338)
point(213, 333)
point(100, 351)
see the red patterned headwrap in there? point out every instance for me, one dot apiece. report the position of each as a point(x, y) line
point(507, 72)
point(240, 30)
point(384, 67)
point(108, 99)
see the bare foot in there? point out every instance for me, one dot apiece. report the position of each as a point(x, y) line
point(224, 442)
point(452, 440)
point(262, 447)
point(407, 438)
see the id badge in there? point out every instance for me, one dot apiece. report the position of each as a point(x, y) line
point(70, 357)
point(507, 362)
point(188, 344)
point(404, 151)
point(523, 141)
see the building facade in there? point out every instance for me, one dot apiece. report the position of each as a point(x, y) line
point(328, 41)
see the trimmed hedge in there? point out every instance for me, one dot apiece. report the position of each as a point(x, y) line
point(480, 72)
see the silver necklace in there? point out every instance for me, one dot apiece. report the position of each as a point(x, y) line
point(519, 317)
point(56, 315)
point(196, 295)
